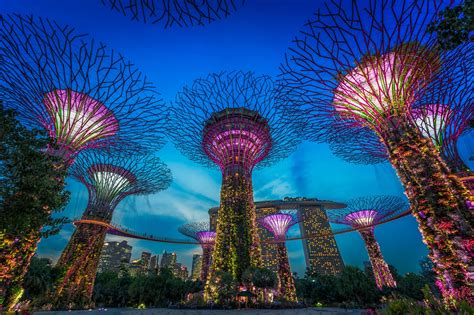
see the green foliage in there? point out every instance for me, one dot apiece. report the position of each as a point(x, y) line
point(354, 288)
point(264, 278)
point(404, 306)
point(39, 280)
point(114, 290)
point(454, 25)
point(29, 187)
point(411, 285)
point(223, 287)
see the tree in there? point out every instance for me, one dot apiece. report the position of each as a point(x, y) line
point(264, 278)
point(222, 286)
point(30, 192)
point(411, 285)
point(39, 280)
point(455, 25)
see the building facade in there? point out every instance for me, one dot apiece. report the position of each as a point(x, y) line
point(168, 260)
point(114, 255)
point(320, 248)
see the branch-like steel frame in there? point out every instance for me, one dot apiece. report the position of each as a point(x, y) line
point(169, 13)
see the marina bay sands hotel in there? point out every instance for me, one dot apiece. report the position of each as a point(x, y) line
point(320, 249)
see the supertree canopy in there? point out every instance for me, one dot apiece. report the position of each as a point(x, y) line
point(202, 233)
point(82, 93)
point(229, 119)
point(278, 224)
point(109, 178)
point(181, 13)
point(364, 214)
point(383, 61)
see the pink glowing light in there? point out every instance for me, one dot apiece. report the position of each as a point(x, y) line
point(432, 121)
point(237, 137)
point(362, 218)
point(78, 120)
point(278, 224)
point(206, 237)
point(383, 85)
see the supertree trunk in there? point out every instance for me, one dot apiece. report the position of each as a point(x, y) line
point(383, 276)
point(17, 252)
point(286, 286)
point(439, 203)
point(79, 261)
point(206, 261)
point(237, 246)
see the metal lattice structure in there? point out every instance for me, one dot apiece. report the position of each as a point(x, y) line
point(201, 232)
point(442, 114)
point(169, 13)
point(229, 119)
point(447, 106)
point(82, 93)
point(365, 64)
point(363, 214)
point(279, 224)
point(109, 179)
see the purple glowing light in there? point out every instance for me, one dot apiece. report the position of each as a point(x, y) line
point(237, 137)
point(278, 224)
point(206, 237)
point(380, 84)
point(362, 218)
point(77, 119)
point(432, 121)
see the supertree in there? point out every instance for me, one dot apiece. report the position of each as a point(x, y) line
point(229, 119)
point(444, 111)
point(81, 93)
point(181, 13)
point(363, 64)
point(202, 233)
point(109, 178)
point(363, 214)
point(278, 224)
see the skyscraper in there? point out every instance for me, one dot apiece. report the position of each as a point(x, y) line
point(320, 249)
point(145, 260)
point(114, 255)
point(319, 245)
point(153, 263)
point(196, 267)
point(168, 260)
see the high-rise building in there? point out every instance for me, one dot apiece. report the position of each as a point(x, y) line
point(145, 258)
point(181, 271)
point(135, 267)
point(320, 249)
point(153, 263)
point(196, 267)
point(168, 260)
point(114, 255)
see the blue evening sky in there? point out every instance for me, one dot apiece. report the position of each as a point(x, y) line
point(253, 38)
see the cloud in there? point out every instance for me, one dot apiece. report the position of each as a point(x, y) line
point(275, 189)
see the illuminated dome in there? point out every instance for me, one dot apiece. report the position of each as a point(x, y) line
point(77, 119)
point(432, 121)
point(236, 136)
point(361, 218)
point(110, 181)
point(279, 223)
point(206, 238)
point(384, 85)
